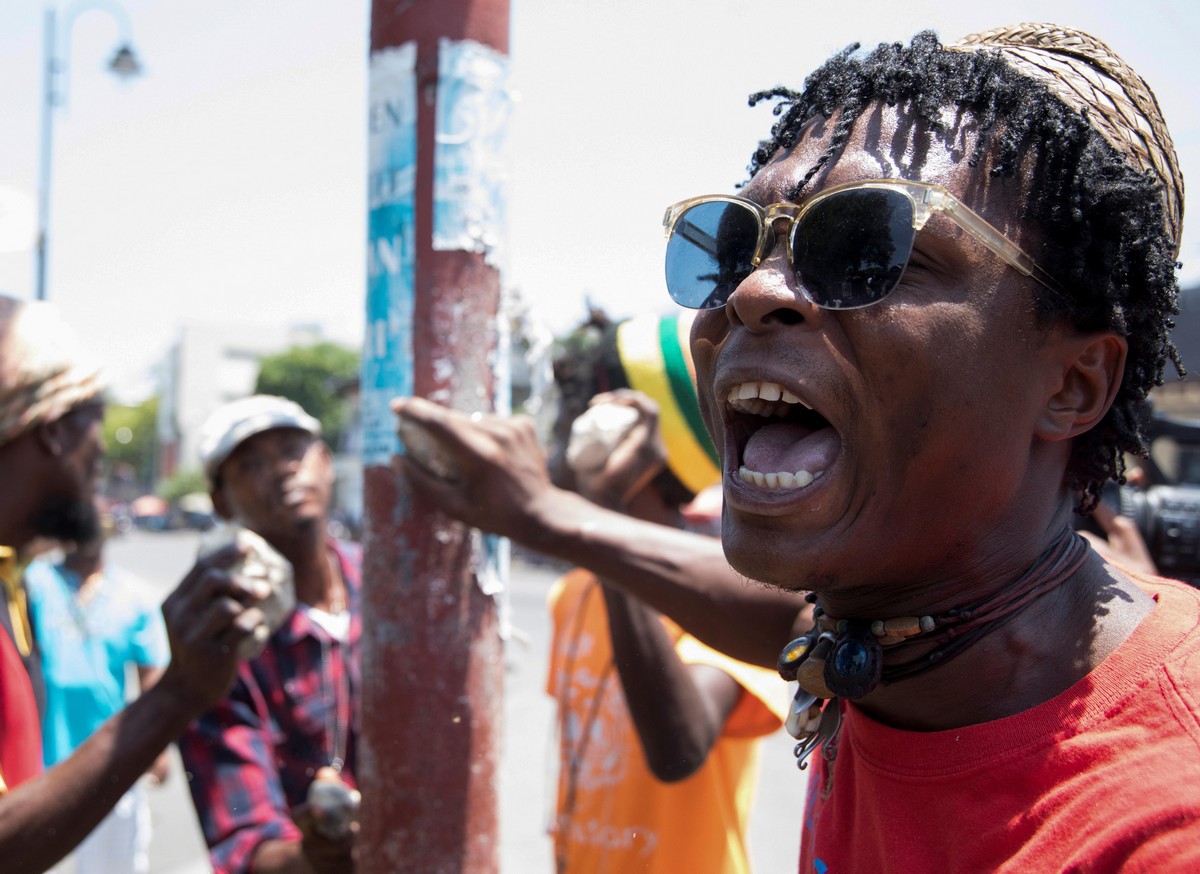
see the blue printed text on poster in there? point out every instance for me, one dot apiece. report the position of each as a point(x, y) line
point(387, 369)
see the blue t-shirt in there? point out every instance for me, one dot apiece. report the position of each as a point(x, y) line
point(87, 649)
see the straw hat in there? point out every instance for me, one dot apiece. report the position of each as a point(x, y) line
point(1091, 79)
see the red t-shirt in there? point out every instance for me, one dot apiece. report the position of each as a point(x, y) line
point(20, 736)
point(1103, 777)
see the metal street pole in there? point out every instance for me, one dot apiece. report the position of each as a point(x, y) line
point(45, 153)
point(124, 64)
point(432, 660)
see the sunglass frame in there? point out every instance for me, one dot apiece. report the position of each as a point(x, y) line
point(927, 198)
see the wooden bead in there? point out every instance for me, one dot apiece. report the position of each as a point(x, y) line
point(902, 626)
point(811, 677)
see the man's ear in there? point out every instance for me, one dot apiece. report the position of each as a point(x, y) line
point(220, 505)
point(49, 437)
point(1089, 369)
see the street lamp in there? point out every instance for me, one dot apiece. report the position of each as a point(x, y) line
point(124, 64)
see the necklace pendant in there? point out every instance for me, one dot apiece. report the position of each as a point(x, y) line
point(803, 715)
point(854, 665)
point(828, 723)
point(803, 661)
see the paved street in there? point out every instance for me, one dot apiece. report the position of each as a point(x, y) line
point(527, 768)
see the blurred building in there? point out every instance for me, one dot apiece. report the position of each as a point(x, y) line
point(213, 364)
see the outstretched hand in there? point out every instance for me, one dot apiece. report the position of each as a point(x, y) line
point(487, 471)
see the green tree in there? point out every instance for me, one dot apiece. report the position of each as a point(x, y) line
point(312, 376)
point(131, 441)
point(182, 482)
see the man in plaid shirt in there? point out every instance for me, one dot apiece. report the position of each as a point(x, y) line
point(289, 719)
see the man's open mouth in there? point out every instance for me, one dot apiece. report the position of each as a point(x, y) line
point(784, 443)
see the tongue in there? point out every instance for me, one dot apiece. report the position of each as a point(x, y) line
point(787, 447)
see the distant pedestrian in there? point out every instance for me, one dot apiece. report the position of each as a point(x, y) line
point(288, 727)
point(94, 622)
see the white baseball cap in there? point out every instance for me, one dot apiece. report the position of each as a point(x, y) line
point(236, 422)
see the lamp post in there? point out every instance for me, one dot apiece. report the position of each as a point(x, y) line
point(124, 64)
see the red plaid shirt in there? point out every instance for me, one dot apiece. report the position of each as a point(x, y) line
point(250, 759)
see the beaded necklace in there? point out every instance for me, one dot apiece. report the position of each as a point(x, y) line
point(845, 658)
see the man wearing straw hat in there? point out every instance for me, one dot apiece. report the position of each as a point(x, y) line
point(51, 409)
point(938, 305)
point(966, 285)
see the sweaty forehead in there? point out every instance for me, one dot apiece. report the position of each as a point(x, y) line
point(885, 142)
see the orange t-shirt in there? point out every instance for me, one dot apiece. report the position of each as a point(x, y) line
point(622, 818)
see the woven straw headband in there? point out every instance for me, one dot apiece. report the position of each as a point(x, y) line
point(43, 372)
point(1088, 77)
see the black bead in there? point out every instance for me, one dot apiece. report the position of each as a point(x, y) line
point(855, 664)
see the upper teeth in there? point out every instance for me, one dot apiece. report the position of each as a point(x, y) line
point(763, 398)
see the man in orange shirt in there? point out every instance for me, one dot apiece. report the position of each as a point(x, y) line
point(658, 732)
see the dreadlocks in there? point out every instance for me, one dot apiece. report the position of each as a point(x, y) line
point(1102, 221)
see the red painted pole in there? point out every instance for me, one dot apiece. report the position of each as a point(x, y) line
point(432, 669)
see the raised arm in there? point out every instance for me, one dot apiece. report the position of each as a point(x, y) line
point(494, 477)
point(679, 710)
point(44, 818)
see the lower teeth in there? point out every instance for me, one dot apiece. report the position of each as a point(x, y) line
point(776, 480)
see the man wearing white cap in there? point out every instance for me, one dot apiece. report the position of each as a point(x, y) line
point(51, 409)
point(289, 718)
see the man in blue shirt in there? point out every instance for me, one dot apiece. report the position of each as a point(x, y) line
point(94, 621)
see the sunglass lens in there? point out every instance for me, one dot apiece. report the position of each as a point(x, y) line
point(710, 251)
point(851, 248)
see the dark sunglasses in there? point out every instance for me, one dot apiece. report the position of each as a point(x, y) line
point(849, 245)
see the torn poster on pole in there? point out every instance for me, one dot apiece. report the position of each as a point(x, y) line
point(387, 368)
point(473, 108)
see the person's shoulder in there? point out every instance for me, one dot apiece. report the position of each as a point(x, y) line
point(42, 574)
point(1174, 627)
point(348, 550)
point(762, 684)
point(1150, 583)
point(570, 586)
point(130, 587)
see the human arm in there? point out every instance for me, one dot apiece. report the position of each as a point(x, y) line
point(44, 818)
point(238, 783)
point(502, 486)
point(679, 710)
point(312, 854)
point(158, 771)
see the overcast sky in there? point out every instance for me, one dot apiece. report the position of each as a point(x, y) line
point(228, 181)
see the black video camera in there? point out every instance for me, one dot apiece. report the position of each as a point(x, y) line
point(1166, 507)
